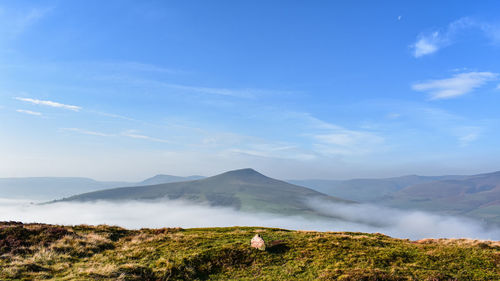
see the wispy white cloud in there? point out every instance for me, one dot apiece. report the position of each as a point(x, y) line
point(393, 115)
point(273, 150)
point(116, 70)
point(430, 42)
point(134, 66)
point(112, 115)
point(348, 142)
point(492, 31)
point(50, 103)
point(240, 93)
point(331, 139)
point(129, 134)
point(465, 140)
point(458, 85)
point(446, 124)
point(29, 112)
point(219, 91)
point(133, 134)
point(312, 122)
point(468, 134)
point(87, 132)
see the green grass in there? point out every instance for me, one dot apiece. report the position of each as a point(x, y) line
point(37, 251)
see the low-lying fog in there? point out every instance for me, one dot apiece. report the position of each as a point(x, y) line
point(358, 218)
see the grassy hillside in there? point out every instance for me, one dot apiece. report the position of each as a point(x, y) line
point(244, 189)
point(37, 251)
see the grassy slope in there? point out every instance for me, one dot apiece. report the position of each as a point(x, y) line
point(110, 253)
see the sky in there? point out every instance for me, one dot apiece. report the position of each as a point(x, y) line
point(123, 90)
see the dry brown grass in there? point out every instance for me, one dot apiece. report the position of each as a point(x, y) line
point(460, 242)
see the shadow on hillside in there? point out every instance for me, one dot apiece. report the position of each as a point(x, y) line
point(277, 247)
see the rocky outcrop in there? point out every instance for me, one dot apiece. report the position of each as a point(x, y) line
point(258, 243)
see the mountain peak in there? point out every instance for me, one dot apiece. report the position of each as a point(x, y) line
point(246, 175)
point(243, 172)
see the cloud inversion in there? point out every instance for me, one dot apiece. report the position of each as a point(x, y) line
point(363, 218)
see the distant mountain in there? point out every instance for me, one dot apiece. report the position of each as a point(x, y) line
point(46, 188)
point(368, 190)
point(50, 188)
point(476, 196)
point(244, 189)
point(159, 179)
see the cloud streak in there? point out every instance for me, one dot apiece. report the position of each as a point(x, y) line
point(363, 218)
point(331, 139)
point(50, 103)
point(238, 93)
point(29, 112)
point(129, 134)
point(347, 142)
point(133, 134)
point(458, 85)
point(86, 132)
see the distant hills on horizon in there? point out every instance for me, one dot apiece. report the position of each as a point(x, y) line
point(50, 188)
point(47, 188)
point(476, 196)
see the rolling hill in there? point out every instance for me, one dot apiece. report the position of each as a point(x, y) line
point(244, 189)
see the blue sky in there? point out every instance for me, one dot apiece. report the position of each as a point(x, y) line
point(122, 90)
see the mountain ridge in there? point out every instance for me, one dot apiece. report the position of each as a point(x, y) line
point(476, 196)
point(243, 189)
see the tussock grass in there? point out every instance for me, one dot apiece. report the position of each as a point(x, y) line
point(37, 251)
